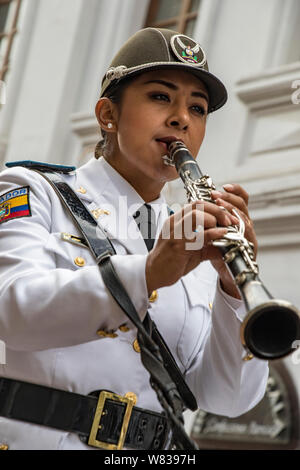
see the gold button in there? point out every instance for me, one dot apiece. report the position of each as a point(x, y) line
point(124, 328)
point(131, 396)
point(248, 357)
point(101, 333)
point(3, 447)
point(97, 212)
point(79, 261)
point(210, 305)
point(153, 296)
point(136, 346)
point(105, 334)
point(81, 190)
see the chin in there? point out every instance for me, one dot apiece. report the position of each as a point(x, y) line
point(168, 173)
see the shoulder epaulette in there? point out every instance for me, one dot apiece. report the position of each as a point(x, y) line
point(41, 166)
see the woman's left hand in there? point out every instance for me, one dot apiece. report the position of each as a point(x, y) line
point(234, 197)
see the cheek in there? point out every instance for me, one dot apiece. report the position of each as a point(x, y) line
point(130, 126)
point(135, 129)
point(202, 134)
point(198, 138)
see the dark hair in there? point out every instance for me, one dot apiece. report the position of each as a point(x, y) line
point(115, 94)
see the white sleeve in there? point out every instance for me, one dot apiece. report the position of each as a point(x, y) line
point(42, 306)
point(222, 382)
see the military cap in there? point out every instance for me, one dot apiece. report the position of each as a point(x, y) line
point(157, 48)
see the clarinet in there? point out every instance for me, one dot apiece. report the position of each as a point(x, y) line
point(271, 326)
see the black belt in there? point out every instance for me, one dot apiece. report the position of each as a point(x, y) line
point(102, 419)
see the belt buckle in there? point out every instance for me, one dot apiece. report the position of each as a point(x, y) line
point(97, 418)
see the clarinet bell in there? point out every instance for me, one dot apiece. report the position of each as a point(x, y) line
point(270, 329)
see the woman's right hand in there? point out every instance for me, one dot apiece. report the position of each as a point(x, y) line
point(179, 249)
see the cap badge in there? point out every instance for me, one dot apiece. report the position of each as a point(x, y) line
point(187, 50)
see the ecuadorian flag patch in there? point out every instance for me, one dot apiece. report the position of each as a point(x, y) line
point(15, 204)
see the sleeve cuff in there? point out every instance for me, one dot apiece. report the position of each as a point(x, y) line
point(237, 305)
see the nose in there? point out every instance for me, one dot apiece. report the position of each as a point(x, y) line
point(178, 116)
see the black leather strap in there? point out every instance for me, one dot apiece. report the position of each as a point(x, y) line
point(72, 412)
point(94, 235)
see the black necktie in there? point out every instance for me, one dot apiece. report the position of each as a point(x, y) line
point(145, 220)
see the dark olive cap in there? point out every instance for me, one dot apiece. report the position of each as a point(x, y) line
point(156, 48)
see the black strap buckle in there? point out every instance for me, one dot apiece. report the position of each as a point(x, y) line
point(97, 421)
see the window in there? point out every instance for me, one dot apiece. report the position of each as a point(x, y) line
point(9, 12)
point(180, 15)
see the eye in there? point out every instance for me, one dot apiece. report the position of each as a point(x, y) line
point(199, 109)
point(160, 96)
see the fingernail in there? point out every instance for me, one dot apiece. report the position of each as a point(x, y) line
point(228, 187)
point(235, 219)
point(216, 194)
point(220, 203)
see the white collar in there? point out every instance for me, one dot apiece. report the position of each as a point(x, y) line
point(104, 187)
point(124, 187)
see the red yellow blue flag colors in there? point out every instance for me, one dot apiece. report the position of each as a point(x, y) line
point(15, 204)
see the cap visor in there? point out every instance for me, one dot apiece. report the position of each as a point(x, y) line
point(216, 89)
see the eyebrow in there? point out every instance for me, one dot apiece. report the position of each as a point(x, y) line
point(172, 86)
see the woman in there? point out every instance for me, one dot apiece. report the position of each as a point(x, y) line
point(62, 328)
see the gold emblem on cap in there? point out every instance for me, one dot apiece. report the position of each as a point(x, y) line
point(81, 190)
point(97, 212)
point(136, 346)
point(79, 261)
point(153, 296)
point(187, 50)
point(131, 396)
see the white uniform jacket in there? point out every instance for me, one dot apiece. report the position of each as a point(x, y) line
point(53, 302)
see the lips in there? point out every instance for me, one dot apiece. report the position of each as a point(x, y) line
point(167, 140)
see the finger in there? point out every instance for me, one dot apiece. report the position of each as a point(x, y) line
point(229, 212)
point(196, 222)
point(249, 226)
point(214, 234)
point(238, 190)
point(193, 223)
point(203, 205)
point(237, 196)
point(202, 242)
point(231, 202)
point(244, 216)
point(215, 215)
point(234, 199)
point(247, 220)
point(223, 217)
point(178, 216)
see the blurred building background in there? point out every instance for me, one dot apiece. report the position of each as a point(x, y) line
point(53, 54)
